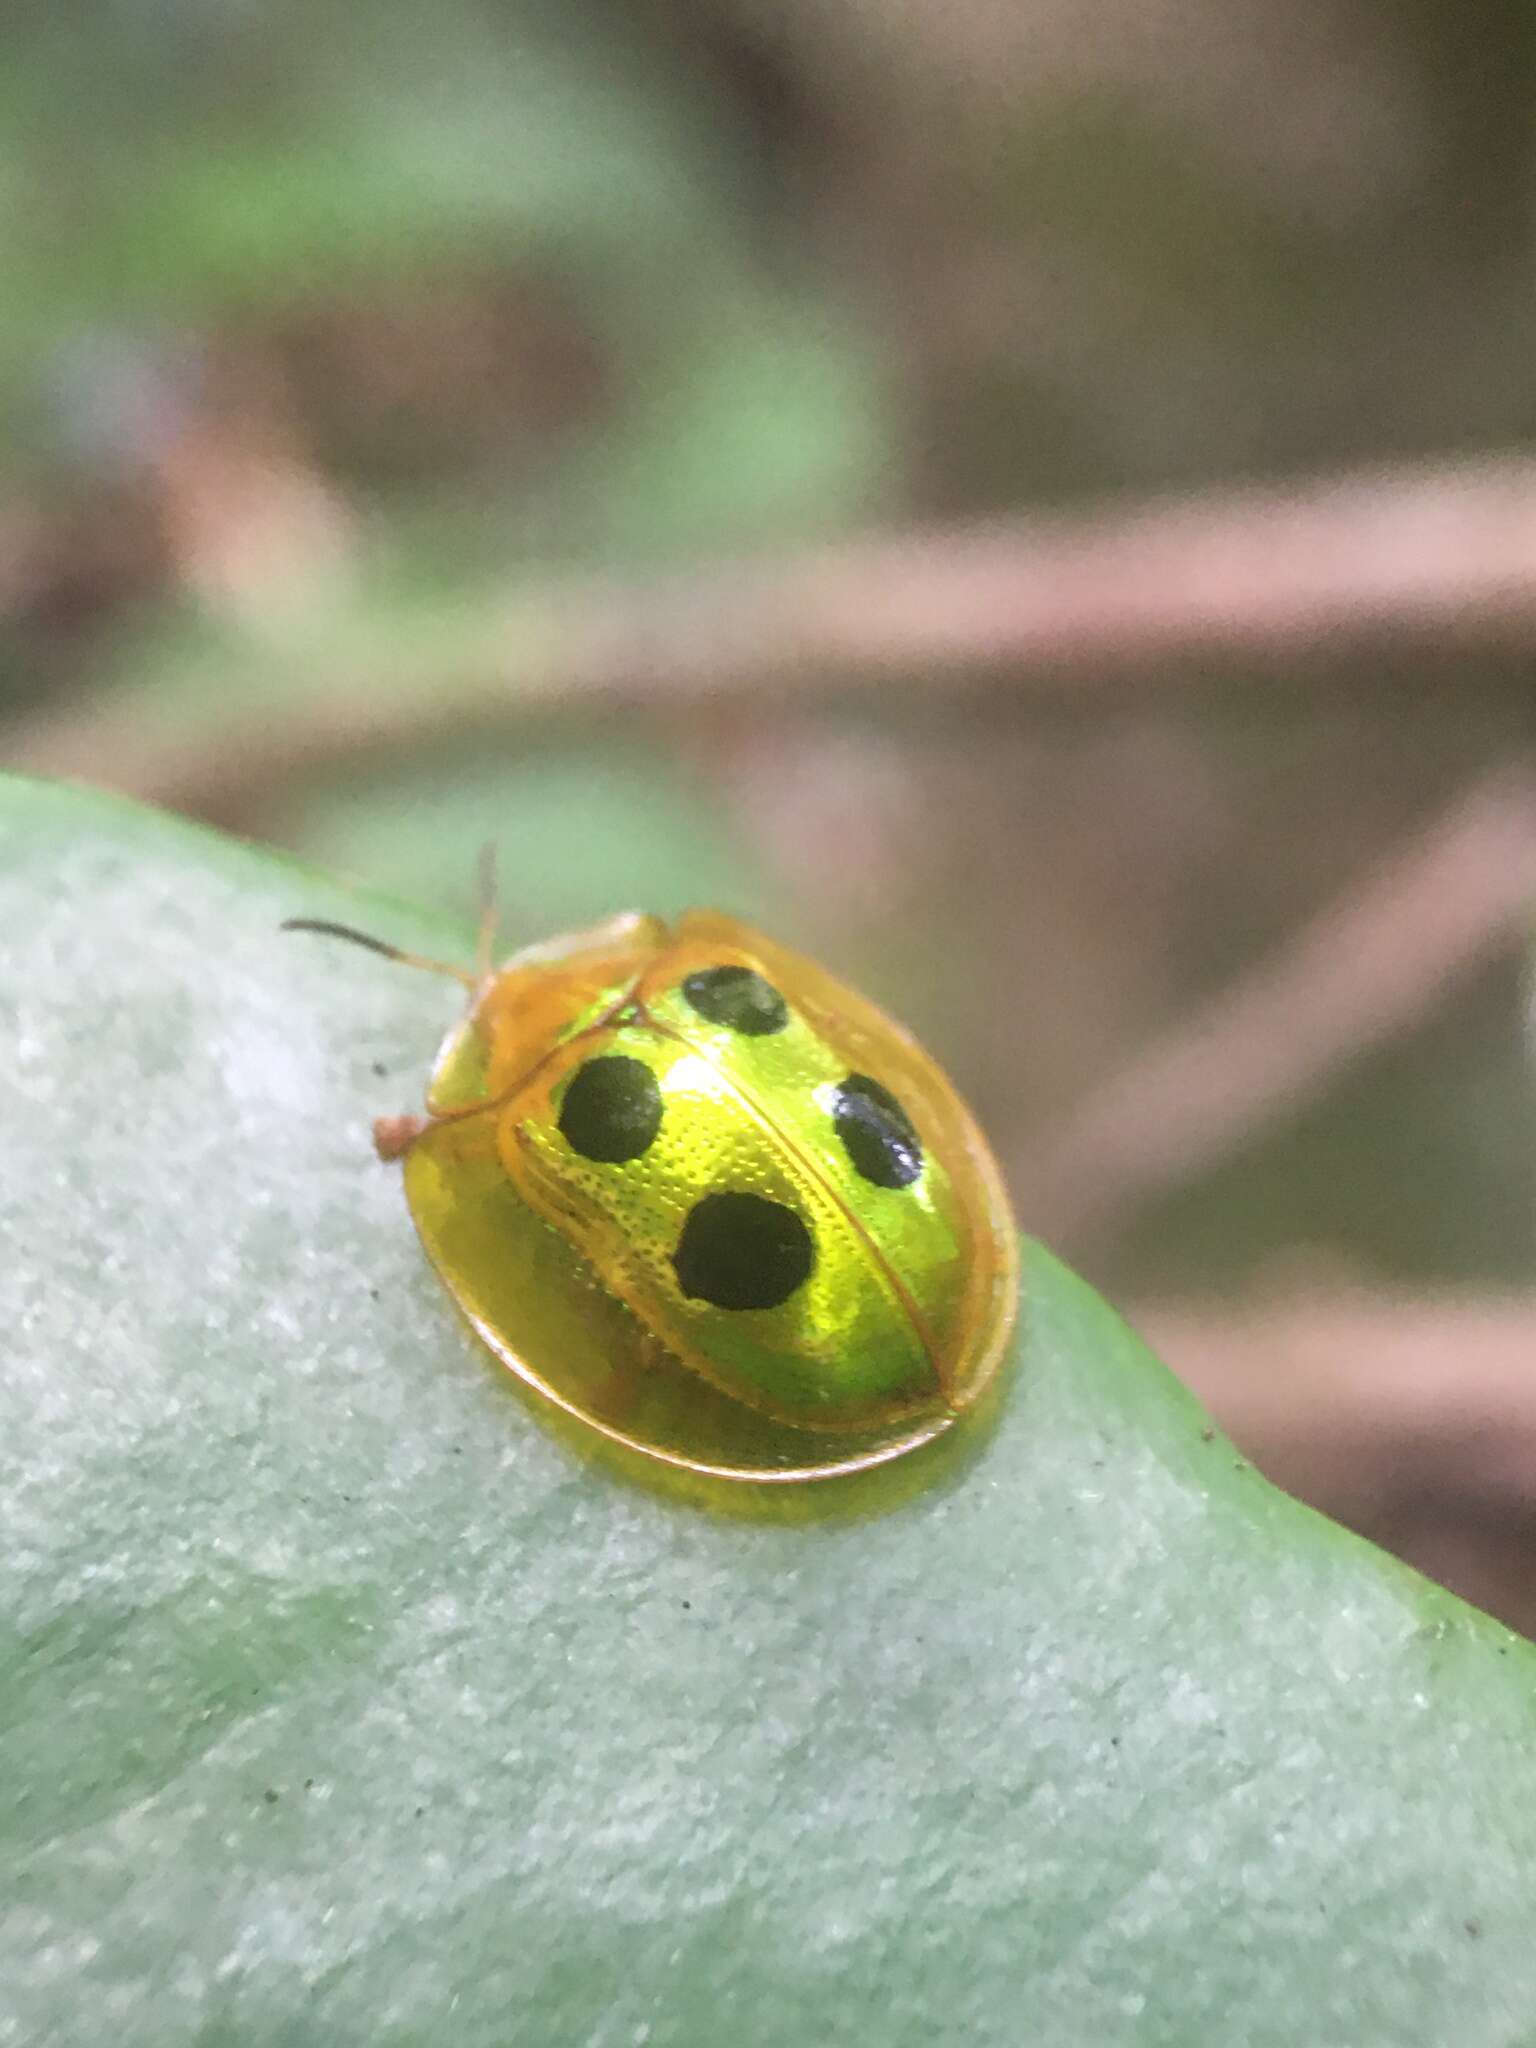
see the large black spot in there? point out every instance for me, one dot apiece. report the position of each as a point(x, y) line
point(876, 1133)
point(743, 1251)
point(612, 1109)
point(739, 998)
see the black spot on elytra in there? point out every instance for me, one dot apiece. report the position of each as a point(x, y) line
point(742, 1251)
point(739, 998)
point(612, 1109)
point(876, 1133)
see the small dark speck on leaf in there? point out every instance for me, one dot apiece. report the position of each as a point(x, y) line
point(457, 1449)
point(689, 1605)
point(1238, 1465)
point(373, 1293)
point(1474, 1928)
point(420, 1811)
point(381, 1070)
point(309, 1784)
point(1207, 1435)
point(1114, 1742)
point(270, 1796)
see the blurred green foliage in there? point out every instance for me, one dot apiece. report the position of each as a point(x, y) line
point(219, 210)
point(565, 823)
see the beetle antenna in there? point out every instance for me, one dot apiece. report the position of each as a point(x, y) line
point(353, 937)
point(490, 909)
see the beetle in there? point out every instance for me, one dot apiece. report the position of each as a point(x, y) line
point(709, 1201)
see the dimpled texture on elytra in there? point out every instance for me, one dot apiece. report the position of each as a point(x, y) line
point(768, 1212)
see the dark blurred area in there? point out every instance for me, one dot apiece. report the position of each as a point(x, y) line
point(402, 410)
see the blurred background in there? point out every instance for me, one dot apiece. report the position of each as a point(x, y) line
point(1028, 499)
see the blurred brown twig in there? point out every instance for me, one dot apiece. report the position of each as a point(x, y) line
point(1411, 1418)
point(1380, 955)
point(1048, 606)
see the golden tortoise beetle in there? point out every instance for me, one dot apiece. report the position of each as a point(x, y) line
point(709, 1201)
